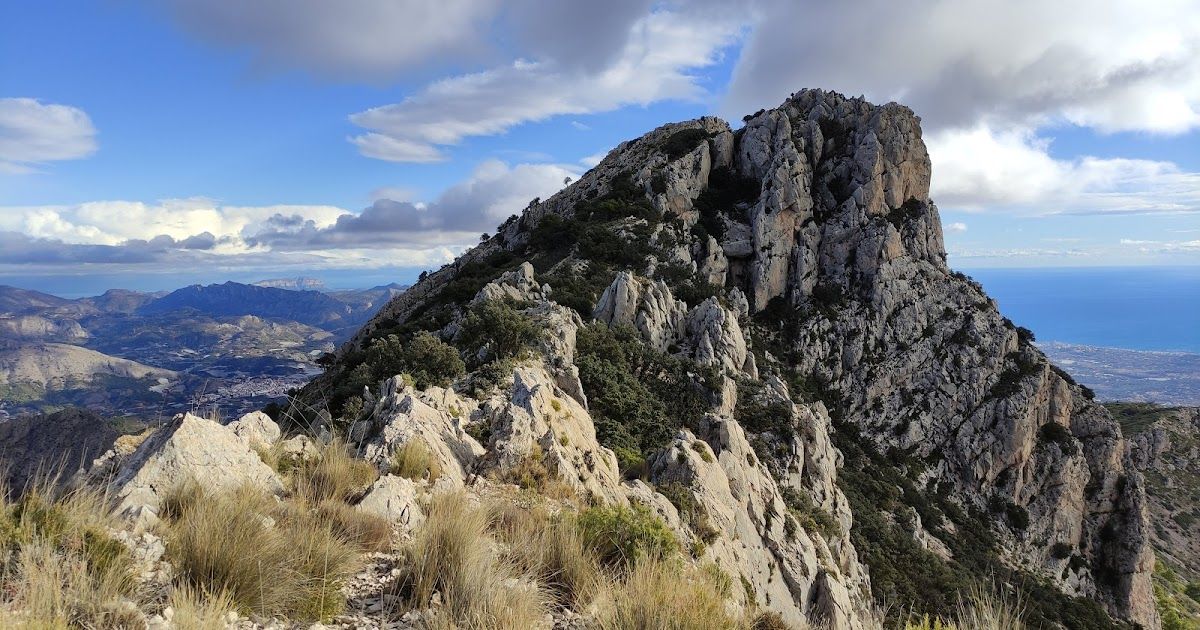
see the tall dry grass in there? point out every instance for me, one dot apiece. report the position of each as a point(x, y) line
point(549, 549)
point(453, 554)
point(59, 565)
point(334, 475)
point(271, 558)
point(196, 609)
point(665, 595)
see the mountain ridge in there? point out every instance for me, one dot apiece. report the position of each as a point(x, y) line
point(801, 257)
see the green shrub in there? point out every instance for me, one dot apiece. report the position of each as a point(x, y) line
point(505, 331)
point(808, 514)
point(692, 512)
point(638, 397)
point(1055, 433)
point(1061, 551)
point(429, 360)
point(683, 142)
point(621, 537)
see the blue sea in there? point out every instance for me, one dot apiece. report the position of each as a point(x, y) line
point(1140, 308)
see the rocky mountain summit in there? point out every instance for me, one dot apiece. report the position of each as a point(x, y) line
point(726, 375)
point(796, 266)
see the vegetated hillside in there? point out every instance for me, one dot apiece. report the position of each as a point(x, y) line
point(57, 443)
point(58, 366)
point(14, 300)
point(231, 298)
point(232, 362)
point(1166, 448)
point(761, 325)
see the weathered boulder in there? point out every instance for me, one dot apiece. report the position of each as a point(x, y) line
point(189, 449)
point(395, 499)
point(257, 428)
point(539, 424)
point(435, 417)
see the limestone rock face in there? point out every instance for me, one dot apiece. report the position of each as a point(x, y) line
point(538, 420)
point(717, 339)
point(257, 428)
point(187, 449)
point(829, 267)
point(434, 417)
point(395, 499)
point(648, 306)
point(751, 536)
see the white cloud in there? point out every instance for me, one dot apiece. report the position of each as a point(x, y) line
point(1125, 65)
point(655, 62)
point(494, 191)
point(957, 226)
point(983, 169)
point(32, 132)
point(593, 159)
point(183, 233)
point(356, 39)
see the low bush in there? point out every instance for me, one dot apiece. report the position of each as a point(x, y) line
point(682, 142)
point(505, 331)
point(808, 514)
point(638, 397)
point(621, 537)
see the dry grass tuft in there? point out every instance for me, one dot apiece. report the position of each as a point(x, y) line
point(271, 558)
point(549, 549)
point(986, 609)
point(452, 554)
point(366, 531)
point(196, 609)
point(60, 566)
point(664, 595)
point(415, 461)
point(335, 475)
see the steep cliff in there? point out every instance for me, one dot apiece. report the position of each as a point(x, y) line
point(785, 291)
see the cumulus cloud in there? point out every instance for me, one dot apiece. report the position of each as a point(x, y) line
point(982, 168)
point(32, 133)
point(179, 233)
point(1129, 65)
point(957, 226)
point(492, 192)
point(655, 62)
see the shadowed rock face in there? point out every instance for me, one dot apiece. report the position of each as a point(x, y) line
point(64, 441)
point(815, 224)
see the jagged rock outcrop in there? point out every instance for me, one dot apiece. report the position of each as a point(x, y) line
point(646, 305)
point(751, 533)
point(537, 421)
point(435, 417)
point(811, 256)
point(188, 449)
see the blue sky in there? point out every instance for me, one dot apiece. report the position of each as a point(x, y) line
point(150, 143)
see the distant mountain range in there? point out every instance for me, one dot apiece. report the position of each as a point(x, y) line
point(229, 345)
